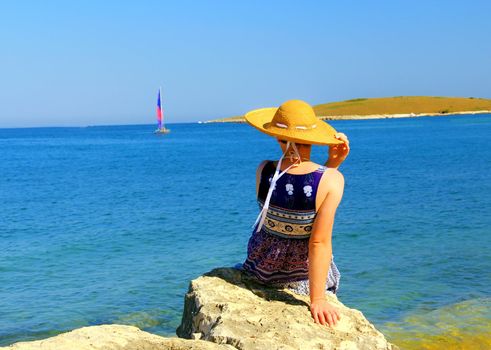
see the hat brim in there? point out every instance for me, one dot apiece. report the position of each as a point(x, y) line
point(322, 134)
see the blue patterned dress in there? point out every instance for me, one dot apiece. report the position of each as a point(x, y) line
point(277, 255)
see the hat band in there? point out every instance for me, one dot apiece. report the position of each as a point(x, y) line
point(282, 125)
point(300, 127)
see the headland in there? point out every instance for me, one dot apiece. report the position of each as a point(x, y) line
point(391, 107)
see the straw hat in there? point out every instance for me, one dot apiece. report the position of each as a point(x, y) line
point(295, 121)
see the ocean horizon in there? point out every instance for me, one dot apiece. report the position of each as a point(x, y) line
point(109, 223)
point(149, 125)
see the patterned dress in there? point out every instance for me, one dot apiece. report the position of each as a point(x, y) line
point(277, 255)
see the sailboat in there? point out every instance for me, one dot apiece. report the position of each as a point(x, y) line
point(161, 129)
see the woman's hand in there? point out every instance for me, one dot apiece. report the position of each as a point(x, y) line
point(324, 313)
point(338, 153)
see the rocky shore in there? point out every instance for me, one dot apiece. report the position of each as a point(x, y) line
point(225, 309)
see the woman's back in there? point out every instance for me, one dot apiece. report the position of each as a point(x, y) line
point(278, 253)
point(292, 208)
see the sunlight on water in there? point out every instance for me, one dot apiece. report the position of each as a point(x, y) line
point(465, 325)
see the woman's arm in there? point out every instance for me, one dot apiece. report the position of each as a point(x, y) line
point(320, 250)
point(338, 153)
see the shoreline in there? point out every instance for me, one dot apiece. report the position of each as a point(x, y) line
point(240, 120)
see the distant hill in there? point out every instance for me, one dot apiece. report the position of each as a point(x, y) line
point(403, 105)
point(393, 107)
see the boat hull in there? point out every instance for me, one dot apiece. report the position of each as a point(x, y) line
point(162, 131)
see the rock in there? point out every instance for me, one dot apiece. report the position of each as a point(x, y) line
point(227, 307)
point(114, 337)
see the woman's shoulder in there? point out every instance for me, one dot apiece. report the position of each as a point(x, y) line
point(332, 176)
point(332, 181)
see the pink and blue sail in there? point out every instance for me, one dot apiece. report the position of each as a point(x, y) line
point(160, 112)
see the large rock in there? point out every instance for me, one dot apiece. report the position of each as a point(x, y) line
point(225, 306)
point(114, 337)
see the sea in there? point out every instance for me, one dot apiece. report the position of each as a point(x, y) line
point(108, 224)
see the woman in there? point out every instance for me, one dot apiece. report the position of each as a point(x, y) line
point(291, 243)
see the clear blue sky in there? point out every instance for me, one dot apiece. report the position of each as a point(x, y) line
point(101, 62)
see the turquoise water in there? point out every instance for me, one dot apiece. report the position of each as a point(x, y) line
point(109, 224)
